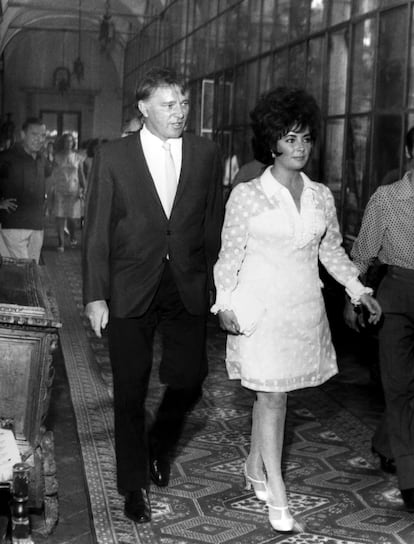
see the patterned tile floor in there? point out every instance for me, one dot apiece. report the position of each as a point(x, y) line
point(355, 389)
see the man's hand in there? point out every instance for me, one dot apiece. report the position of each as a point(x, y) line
point(228, 321)
point(373, 307)
point(98, 314)
point(8, 204)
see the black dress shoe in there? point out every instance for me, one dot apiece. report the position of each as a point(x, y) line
point(137, 506)
point(408, 498)
point(387, 464)
point(160, 469)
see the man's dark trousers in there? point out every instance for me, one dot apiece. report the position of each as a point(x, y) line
point(183, 368)
point(396, 353)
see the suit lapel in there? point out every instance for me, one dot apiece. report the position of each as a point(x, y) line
point(185, 170)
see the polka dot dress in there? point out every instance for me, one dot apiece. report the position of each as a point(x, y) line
point(268, 267)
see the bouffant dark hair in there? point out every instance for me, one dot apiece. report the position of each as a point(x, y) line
point(280, 110)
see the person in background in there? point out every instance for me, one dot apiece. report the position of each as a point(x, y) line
point(269, 297)
point(394, 175)
point(131, 126)
point(23, 170)
point(67, 189)
point(151, 236)
point(50, 160)
point(387, 235)
point(50, 152)
point(253, 169)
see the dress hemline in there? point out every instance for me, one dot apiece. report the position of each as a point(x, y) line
point(273, 389)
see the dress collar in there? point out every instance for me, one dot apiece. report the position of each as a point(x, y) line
point(272, 187)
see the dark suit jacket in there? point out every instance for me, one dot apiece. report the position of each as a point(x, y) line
point(127, 234)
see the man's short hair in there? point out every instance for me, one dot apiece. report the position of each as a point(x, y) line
point(32, 121)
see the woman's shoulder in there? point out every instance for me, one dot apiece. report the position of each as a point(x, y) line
point(247, 190)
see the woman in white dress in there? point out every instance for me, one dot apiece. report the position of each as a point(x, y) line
point(67, 188)
point(269, 299)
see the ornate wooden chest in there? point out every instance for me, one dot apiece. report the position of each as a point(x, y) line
point(29, 322)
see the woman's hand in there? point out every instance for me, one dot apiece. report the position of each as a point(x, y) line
point(373, 307)
point(350, 315)
point(228, 321)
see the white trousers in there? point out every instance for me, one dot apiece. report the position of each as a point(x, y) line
point(21, 243)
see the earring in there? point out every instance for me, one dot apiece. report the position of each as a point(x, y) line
point(273, 155)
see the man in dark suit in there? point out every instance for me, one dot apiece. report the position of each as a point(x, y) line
point(151, 237)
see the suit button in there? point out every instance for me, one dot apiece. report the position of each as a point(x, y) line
point(168, 232)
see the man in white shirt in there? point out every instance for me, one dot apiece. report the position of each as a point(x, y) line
point(151, 237)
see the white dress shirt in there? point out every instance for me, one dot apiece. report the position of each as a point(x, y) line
point(152, 147)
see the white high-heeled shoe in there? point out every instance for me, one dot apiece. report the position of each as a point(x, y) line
point(285, 523)
point(261, 494)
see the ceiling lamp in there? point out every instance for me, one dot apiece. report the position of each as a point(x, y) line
point(78, 66)
point(106, 30)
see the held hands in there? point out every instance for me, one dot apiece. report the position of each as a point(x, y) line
point(228, 321)
point(354, 319)
point(98, 314)
point(373, 307)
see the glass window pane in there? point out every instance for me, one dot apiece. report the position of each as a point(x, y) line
point(357, 169)
point(363, 6)
point(333, 156)
point(299, 16)
point(252, 85)
point(224, 100)
point(265, 74)
point(317, 14)
point(226, 39)
point(210, 50)
point(363, 65)
point(410, 121)
point(254, 24)
point(314, 72)
point(297, 65)
point(411, 68)
point(391, 58)
point(282, 16)
point(191, 16)
point(280, 65)
point(338, 62)
point(207, 105)
point(199, 38)
point(387, 146)
point(240, 98)
point(243, 24)
point(267, 24)
point(388, 3)
point(340, 11)
point(213, 8)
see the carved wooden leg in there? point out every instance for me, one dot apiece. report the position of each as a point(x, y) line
point(50, 513)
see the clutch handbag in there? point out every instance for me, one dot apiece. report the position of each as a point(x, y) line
point(248, 308)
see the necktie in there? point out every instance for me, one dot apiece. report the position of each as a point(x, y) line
point(170, 186)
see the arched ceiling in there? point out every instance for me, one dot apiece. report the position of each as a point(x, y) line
point(126, 16)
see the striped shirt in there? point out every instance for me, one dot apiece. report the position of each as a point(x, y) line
point(387, 229)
